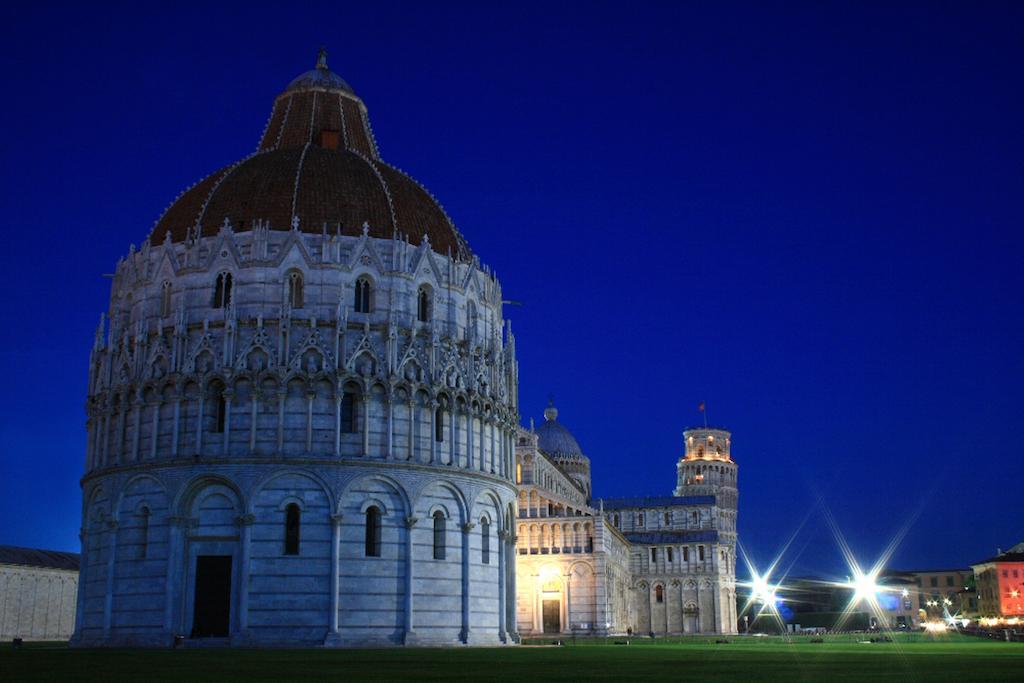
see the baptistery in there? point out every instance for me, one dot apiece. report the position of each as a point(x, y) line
point(302, 408)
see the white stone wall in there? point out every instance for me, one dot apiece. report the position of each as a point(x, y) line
point(157, 375)
point(37, 603)
point(206, 422)
point(141, 587)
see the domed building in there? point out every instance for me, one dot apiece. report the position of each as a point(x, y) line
point(302, 409)
point(561, 446)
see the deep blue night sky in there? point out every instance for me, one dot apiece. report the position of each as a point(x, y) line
point(806, 214)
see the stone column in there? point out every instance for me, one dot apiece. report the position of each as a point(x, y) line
point(337, 422)
point(410, 632)
point(502, 582)
point(137, 428)
point(682, 607)
point(483, 449)
point(229, 398)
point(173, 545)
point(154, 430)
point(119, 445)
point(366, 423)
point(494, 452)
point(281, 395)
point(108, 602)
point(567, 623)
point(434, 405)
point(199, 421)
point(466, 530)
point(390, 407)
point(700, 610)
point(253, 415)
point(512, 596)
point(177, 425)
point(453, 448)
point(508, 450)
point(469, 439)
point(244, 523)
point(650, 605)
point(333, 635)
point(717, 625)
point(106, 436)
point(310, 395)
point(412, 428)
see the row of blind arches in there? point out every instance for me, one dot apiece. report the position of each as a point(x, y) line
point(372, 548)
point(349, 414)
point(295, 295)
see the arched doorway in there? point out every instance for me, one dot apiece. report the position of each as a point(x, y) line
point(211, 557)
point(550, 602)
point(691, 618)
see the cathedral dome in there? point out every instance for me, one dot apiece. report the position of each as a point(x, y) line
point(317, 169)
point(554, 439)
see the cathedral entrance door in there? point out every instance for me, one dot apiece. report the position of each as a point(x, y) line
point(212, 614)
point(552, 618)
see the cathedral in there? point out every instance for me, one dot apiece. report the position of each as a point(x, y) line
point(303, 430)
point(654, 565)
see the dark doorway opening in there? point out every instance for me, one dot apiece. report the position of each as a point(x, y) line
point(552, 618)
point(211, 617)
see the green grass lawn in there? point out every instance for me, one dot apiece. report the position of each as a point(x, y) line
point(911, 657)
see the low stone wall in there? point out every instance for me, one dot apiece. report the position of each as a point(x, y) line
point(37, 603)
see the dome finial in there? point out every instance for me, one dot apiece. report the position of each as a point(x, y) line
point(551, 412)
point(321, 58)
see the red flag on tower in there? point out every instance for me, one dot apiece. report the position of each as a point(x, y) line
point(700, 406)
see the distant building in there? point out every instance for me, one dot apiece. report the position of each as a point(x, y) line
point(940, 590)
point(899, 600)
point(38, 589)
point(662, 565)
point(1000, 584)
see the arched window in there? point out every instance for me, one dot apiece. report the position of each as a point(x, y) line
point(373, 531)
point(348, 412)
point(659, 593)
point(668, 519)
point(294, 289)
point(362, 302)
point(144, 532)
point(640, 519)
point(439, 535)
point(668, 554)
point(696, 518)
point(615, 519)
point(700, 553)
point(222, 291)
point(519, 473)
point(423, 304)
point(165, 299)
point(485, 541)
point(439, 424)
point(292, 516)
point(220, 413)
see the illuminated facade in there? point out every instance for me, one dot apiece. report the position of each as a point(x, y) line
point(647, 565)
point(1000, 584)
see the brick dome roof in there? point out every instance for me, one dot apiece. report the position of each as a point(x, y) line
point(317, 162)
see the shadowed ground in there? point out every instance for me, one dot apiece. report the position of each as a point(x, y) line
point(911, 657)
